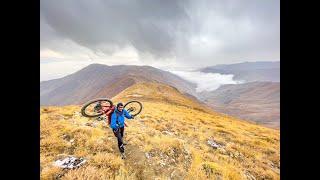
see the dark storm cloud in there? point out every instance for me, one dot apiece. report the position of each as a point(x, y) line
point(187, 30)
point(108, 25)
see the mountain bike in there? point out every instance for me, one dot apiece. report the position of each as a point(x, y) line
point(93, 107)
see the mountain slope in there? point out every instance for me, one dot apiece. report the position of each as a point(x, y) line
point(158, 92)
point(168, 140)
point(249, 71)
point(256, 101)
point(98, 80)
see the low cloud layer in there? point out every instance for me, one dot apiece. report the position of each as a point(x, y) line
point(53, 69)
point(206, 81)
point(188, 33)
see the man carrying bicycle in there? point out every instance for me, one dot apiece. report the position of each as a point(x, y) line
point(115, 115)
point(117, 125)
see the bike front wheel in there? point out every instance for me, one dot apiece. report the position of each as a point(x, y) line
point(133, 107)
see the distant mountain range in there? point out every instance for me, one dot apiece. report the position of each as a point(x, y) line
point(257, 100)
point(98, 80)
point(249, 71)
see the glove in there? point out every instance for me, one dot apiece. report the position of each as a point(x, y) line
point(116, 129)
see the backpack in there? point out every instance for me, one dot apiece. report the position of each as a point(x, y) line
point(109, 113)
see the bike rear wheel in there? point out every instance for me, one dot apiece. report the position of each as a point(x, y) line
point(92, 108)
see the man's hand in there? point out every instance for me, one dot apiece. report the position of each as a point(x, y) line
point(115, 130)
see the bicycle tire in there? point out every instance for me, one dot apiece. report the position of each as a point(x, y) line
point(83, 109)
point(134, 102)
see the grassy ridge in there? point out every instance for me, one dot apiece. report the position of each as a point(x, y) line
point(164, 141)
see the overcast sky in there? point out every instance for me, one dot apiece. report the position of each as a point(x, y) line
point(160, 33)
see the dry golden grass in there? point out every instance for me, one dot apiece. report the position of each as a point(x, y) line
point(166, 140)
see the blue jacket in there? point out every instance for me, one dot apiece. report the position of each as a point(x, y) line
point(119, 117)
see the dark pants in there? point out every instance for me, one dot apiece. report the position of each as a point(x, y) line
point(119, 134)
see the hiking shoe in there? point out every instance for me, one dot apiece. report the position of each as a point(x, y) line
point(122, 148)
point(123, 156)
